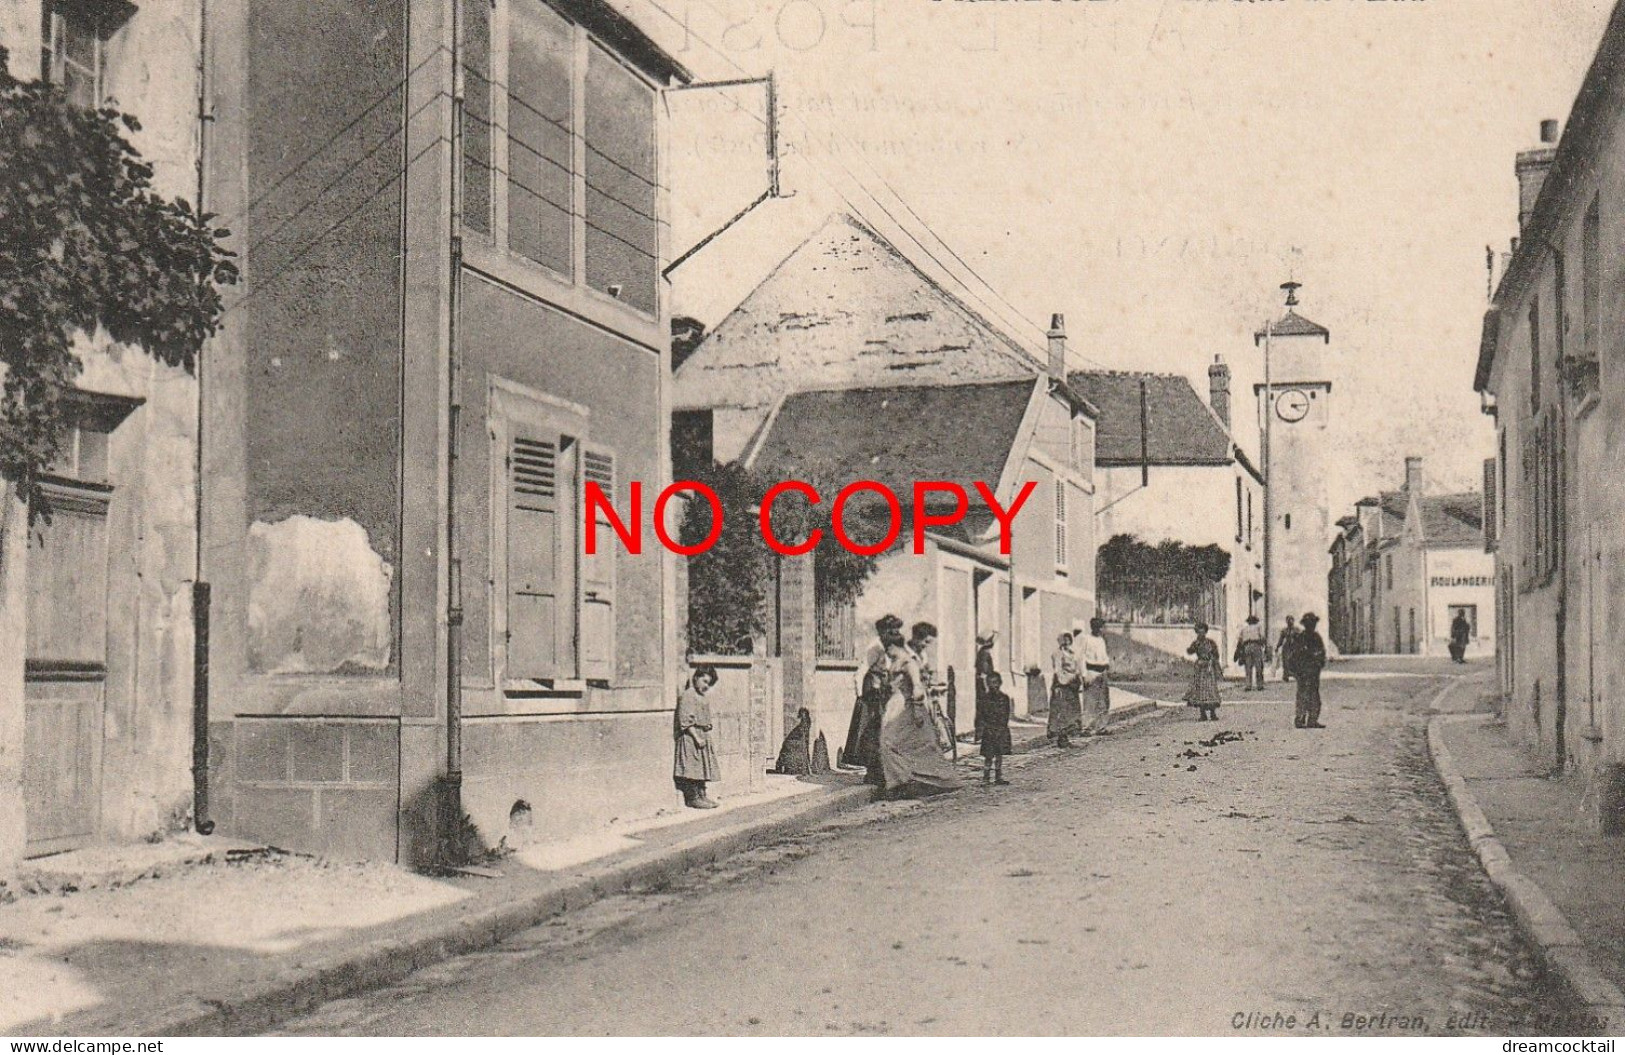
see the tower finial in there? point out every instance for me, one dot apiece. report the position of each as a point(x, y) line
point(1292, 293)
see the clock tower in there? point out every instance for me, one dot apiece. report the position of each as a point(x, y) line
point(1294, 410)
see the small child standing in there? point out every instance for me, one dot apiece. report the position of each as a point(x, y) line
point(993, 729)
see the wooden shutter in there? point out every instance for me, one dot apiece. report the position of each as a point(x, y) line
point(541, 615)
point(1490, 498)
point(1060, 523)
point(598, 574)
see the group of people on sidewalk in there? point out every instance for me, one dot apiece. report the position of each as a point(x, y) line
point(1080, 689)
point(897, 733)
point(901, 737)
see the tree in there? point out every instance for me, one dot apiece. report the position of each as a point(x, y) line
point(728, 584)
point(86, 247)
point(1126, 557)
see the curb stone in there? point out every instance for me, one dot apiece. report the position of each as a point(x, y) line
point(1537, 916)
point(388, 959)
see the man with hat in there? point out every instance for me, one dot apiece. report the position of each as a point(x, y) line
point(1250, 648)
point(1308, 660)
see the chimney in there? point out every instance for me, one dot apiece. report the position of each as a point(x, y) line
point(1413, 476)
point(1057, 347)
point(1532, 167)
point(1218, 389)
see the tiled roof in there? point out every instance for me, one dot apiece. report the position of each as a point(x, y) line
point(1182, 430)
point(897, 435)
point(1294, 325)
point(845, 307)
point(1450, 521)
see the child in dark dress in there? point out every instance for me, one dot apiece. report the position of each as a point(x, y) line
point(993, 729)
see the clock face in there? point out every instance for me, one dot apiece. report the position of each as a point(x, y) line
point(1292, 405)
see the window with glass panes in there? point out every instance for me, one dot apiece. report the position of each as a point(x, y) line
point(560, 155)
point(73, 52)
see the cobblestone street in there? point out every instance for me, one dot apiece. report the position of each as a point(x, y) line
point(1173, 877)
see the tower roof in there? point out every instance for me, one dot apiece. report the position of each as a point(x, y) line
point(1294, 325)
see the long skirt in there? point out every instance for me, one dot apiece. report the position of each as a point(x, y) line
point(1096, 702)
point(694, 762)
point(863, 734)
point(909, 751)
point(1065, 711)
point(1204, 690)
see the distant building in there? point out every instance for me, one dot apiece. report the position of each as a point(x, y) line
point(1005, 434)
point(1297, 405)
point(1404, 566)
point(1183, 478)
point(813, 370)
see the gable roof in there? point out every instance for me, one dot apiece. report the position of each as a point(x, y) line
point(1294, 325)
point(1452, 521)
point(1183, 430)
point(844, 307)
point(897, 435)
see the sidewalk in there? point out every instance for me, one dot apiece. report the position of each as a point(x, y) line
point(1565, 884)
point(199, 936)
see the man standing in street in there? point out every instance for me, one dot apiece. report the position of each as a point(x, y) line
point(1250, 647)
point(1308, 660)
point(1284, 646)
point(1460, 633)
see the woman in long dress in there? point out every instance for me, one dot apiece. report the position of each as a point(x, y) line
point(909, 753)
point(1204, 691)
point(1065, 708)
point(1097, 663)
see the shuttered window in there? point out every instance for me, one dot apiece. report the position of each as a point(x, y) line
point(1490, 500)
point(622, 230)
point(598, 574)
point(541, 586)
point(1060, 525)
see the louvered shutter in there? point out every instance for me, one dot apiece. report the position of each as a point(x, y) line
point(541, 628)
point(598, 574)
point(1490, 498)
point(1060, 524)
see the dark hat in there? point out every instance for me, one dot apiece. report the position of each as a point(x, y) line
point(888, 622)
point(1252, 619)
point(1310, 619)
point(1201, 627)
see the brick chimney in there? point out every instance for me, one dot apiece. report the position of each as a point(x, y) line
point(1218, 389)
point(1532, 167)
point(1057, 346)
point(1413, 476)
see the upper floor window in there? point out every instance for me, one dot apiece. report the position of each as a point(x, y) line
point(1388, 572)
point(560, 159)
point(1534, 354)
point(73, 51)
point(1590, 279)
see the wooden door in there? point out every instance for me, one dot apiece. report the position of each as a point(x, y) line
point(65, 670)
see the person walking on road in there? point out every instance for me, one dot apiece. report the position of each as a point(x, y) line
point(993, 730)
point(909, 752)
point(1460, 633)
point(1250, 649)
point(1203, 693)
point(1309, 659)
point(1284, 646)
point(696, 761)
point(1096, 698)
point(1065, 708)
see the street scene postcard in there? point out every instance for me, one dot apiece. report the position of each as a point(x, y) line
point(812, 518)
